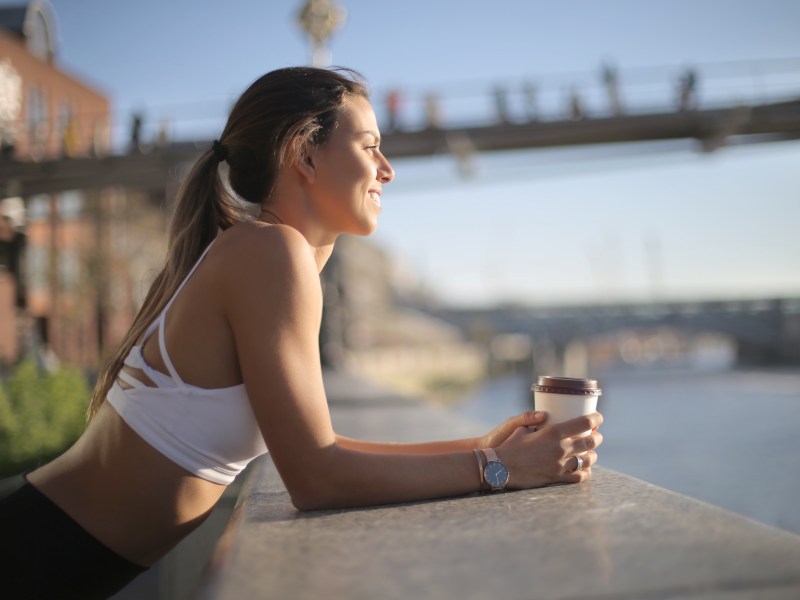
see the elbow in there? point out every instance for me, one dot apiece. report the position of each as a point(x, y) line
point(316, 489)
point(312, 496)
point(305, 503)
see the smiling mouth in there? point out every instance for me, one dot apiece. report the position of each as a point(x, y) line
point(376, 197)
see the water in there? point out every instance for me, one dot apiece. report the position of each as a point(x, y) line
point(725, 437)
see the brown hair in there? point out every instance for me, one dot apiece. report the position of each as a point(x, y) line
point(273, 118)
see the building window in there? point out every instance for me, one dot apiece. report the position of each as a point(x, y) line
point(37, 261)
point(38, 208)
point(70, 205)
point(38, 123)
point(69, 269)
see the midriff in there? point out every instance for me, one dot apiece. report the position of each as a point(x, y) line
point(125, 493)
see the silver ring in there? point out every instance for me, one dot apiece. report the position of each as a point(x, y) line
point(580, 464)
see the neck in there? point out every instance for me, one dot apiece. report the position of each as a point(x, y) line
point(322, 254)
point(321, 246)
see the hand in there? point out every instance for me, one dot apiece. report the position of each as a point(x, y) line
point(547, 455)
point(500, 434)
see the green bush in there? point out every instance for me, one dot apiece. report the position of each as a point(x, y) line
point(41, 414)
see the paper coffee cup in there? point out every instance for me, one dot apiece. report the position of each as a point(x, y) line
point(565, 398)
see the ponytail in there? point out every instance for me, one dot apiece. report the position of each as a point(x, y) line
point(204, 207)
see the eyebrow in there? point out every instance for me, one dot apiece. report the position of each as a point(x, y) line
point(371, 132)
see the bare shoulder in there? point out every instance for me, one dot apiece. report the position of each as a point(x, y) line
point(251, 249)
point(266, 260)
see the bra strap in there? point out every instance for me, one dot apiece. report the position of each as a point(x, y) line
point(162, 318)
point(162, 345)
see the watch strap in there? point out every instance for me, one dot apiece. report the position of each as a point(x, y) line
point(483, 486)
point(490, 454)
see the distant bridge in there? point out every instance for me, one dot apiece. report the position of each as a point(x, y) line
point(158, 167)
point(766, 331)
point(752, 101)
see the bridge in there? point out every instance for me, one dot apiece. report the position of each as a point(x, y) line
point(765, 331)
point(753, 101)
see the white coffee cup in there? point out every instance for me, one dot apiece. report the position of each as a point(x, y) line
point(565, 398)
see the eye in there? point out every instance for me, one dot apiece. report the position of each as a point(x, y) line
point(374, 147)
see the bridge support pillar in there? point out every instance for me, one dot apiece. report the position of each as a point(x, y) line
point(546, 358)
point(748, 354)
point(576, 359)
point(570, 359)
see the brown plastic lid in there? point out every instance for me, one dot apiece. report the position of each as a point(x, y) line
point(566, 385)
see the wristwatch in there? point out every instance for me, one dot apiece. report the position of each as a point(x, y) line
point(495, 473)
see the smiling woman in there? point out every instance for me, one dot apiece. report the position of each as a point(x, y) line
point(348, 172)
point(222, 362)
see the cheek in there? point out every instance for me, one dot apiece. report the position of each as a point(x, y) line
point(346, 172)
point(351, 178)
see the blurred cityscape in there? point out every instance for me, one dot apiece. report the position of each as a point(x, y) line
point(84, 217)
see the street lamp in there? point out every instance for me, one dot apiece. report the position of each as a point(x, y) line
point(319, 19)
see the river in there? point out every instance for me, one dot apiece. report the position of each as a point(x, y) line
point(727, 437)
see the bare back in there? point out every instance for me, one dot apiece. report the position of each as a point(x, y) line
point(161, 502)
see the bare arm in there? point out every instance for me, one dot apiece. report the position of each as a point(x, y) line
point(440, 447)
point(491, 440)
point(273, 302)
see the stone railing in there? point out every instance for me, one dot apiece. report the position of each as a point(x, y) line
point(612, 537)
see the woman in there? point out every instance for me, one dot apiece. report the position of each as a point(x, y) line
point(222, 361)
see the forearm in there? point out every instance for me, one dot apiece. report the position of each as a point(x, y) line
point(351, 478)
point(439, 447)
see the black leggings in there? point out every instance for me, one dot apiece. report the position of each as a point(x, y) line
point(45, 554)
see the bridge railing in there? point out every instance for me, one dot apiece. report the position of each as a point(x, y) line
point(643, 90)
point(604, 92)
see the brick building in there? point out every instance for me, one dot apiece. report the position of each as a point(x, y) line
point(72, 264)
point(44, 111)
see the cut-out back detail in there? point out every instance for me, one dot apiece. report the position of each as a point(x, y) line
point(127, 374)
point(212, 433)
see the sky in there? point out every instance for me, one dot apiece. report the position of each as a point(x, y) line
point(639, 222)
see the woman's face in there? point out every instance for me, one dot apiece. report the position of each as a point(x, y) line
point(349, 172)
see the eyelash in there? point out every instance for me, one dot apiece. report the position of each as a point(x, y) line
point(375, 147)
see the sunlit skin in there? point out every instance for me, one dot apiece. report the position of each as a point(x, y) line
point(258, 296)
point(335, 188)
point(345, 177)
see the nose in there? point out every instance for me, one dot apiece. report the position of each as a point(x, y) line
point(385, 170)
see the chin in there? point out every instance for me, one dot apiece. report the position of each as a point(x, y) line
point(364, 228)
point(366, 231)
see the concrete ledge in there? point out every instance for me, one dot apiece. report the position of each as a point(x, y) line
point(613, 537)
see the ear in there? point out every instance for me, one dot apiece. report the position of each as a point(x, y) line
point(306, 161)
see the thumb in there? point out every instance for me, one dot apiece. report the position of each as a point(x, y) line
point(530, 417)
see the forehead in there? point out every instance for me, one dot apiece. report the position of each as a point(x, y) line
point(357, 116)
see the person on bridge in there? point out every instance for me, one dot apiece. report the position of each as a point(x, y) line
point(222, 362)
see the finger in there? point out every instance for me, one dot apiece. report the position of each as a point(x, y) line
point(589, 459)
point(586, 461)
point(576, 476)
point(580, 424)
point(526, 419)
point(530, 417)
point(578, 445)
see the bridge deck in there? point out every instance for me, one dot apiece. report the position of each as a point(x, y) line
point(153, 170)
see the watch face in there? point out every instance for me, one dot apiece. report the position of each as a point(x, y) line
point(496, 474)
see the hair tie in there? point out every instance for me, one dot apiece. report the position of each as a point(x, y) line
point(220, 151)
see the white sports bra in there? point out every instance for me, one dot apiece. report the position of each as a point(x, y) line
point(212, 433)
